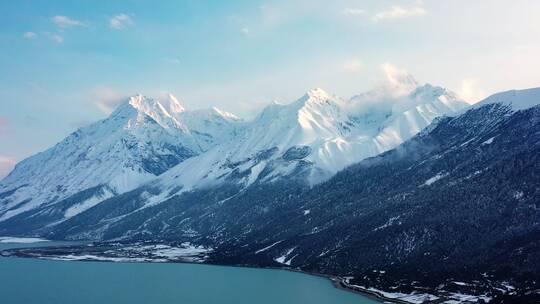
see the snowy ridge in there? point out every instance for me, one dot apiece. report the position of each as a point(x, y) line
point(516, 99)
point(315, 137)
point(141, 139)
point(160, 143)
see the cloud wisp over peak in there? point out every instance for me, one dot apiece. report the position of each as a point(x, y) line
point(106, 98)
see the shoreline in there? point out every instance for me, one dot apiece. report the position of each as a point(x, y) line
point(339, 283)
point(53, 251)
point(336, 281)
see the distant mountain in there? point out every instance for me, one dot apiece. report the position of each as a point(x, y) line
point(140, 140)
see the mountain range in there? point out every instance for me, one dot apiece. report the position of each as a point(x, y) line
point(308, 140)
point(405, 188)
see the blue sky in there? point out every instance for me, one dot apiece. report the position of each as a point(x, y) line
point(64, 64)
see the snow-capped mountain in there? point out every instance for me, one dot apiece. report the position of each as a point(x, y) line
point(141, 139)
point(462, 190)
point(316, 136)
point(154, 142)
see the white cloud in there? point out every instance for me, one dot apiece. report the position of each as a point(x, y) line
point(470, 91)
point(29, 35)
point(120, 21)
point(353, 12)
point(399, 80)
point(400, 12)
point(388, 94)
point(245, 30)
point(106, 98)
point(6, 165)
point(57, 38)
point(64, 22)
point(353, 65)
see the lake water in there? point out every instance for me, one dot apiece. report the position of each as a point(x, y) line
point(28, 281)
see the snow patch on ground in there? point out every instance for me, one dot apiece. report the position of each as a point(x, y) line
point(284, 258)
point(91, 257)
point(434, 178)
point(21, 240)
point(464, 298)
point(87, 204)
point(185, 252)
point(489, 141)
point(268, 247)
point(415, 298)
point(518, 194)
point(388, 223)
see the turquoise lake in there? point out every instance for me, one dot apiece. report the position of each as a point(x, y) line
point(28, 281)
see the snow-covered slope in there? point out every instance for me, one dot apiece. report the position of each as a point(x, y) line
point(159, 143)
point(516, 99)
point(316, 136)
point(141, 139)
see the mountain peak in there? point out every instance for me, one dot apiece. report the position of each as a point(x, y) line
point(174, 106)
point(399, 82)
point(168, 105)
point(318, 93)
point(316, 96)
point(225, 114)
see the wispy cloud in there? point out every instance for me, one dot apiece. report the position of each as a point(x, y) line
point(353, 12)
point(6, 165)
point(398, 81)
point(106, 98)
point(245, 30)
point(29, 35)
point(57, 38)
point(470, 91)
point(400, 12)
point(65, 22)
point(353, 65)
point(120, 21)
